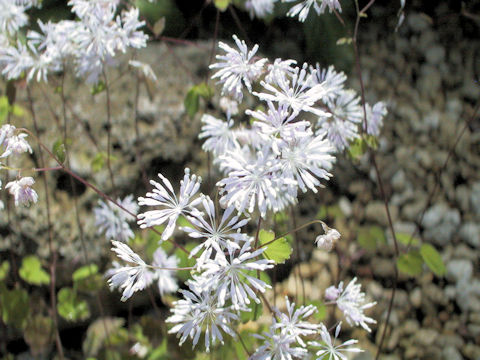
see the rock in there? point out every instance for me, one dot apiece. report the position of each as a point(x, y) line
point(441, 223)
point(435, 54)
point(398, 181)
point(416, 297)
point(346, 206)
point(459, 269)
point(418, 22)
point(451, 353)
point(425, 337)
point(475, 198)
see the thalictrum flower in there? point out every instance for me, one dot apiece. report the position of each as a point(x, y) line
point(197, 312)
point(164, 196)
point(237, 67)
point(277, 345)
point(112, 220)
point(22, 191)
point(328, 350)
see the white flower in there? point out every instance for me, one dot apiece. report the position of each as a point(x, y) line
point(236, 67)
point(128, 278)
point(215, 234)
point(292, 322)
point(303, 8)
point(228, 274)
point(200, 311)
point(166, 280)
point(295, 91)
point(219, 134)
point(327, 240)
point(251, 183)
point(277, 346)
point(14, 60)
point(164, 196)
point(328, 349)
point(351, 302)
point(259, 8)
point(22, 191)
point(228, 106)
point(112, 220)
point(375, 117)
point(12, 16)
point(307, 159)
point(13, 144)
point(280, 68)
point(279, 123)
point(342, 126)
point(332, 80)
point(144, 68)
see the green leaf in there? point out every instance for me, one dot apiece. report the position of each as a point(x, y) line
point(14, 306)
point(31, 271)
point(38, 333)
point(160, 352)
point(221, 5)
point(58, 150)
point(433, 259)
point(70, 307)
point(192, 102)
point(256, 310)
point(17, 110)
point(3, 109)
point(321, 314)
point(98, 88)
point(100, 160)
point(279, 250)
point(4, 269)
point(410, 263)
point(357, 148)
point(97, 333)
point(370, 237)
point(85, 272)
point(405, 239)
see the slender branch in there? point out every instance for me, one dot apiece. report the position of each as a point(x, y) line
point(290, 232)
point(297, 245)
point(243, 343)
point(109, 130)
point(53, 254)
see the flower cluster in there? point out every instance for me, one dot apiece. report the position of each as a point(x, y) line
point(89, 43)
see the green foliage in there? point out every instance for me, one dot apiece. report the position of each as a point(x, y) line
point(321, 314)
point(4, 269)
point(6, 108)
point(58, 149)
point(3, 109)
point(410, 263)
point(406, 239)
point(98, 332)
point(100, 160)
point(160, 352)
point(433, 259)
point(98, 88)
point(14, 306)
point(221, 5)
point(38, 333)
point(279, 250)
point(192, 100)
point(85, 272)
point(31, 271)
point(184, 261)
point(70, 307)
point(371, 237)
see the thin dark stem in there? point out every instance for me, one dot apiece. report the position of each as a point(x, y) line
point(109, 130)
point(377, 171)
point(53, 253)
point(243, 343)
point(258, 231)
point(290, 232)
point(214, 43)
point(137, 135)
point(239, 23)
point(297, 245)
